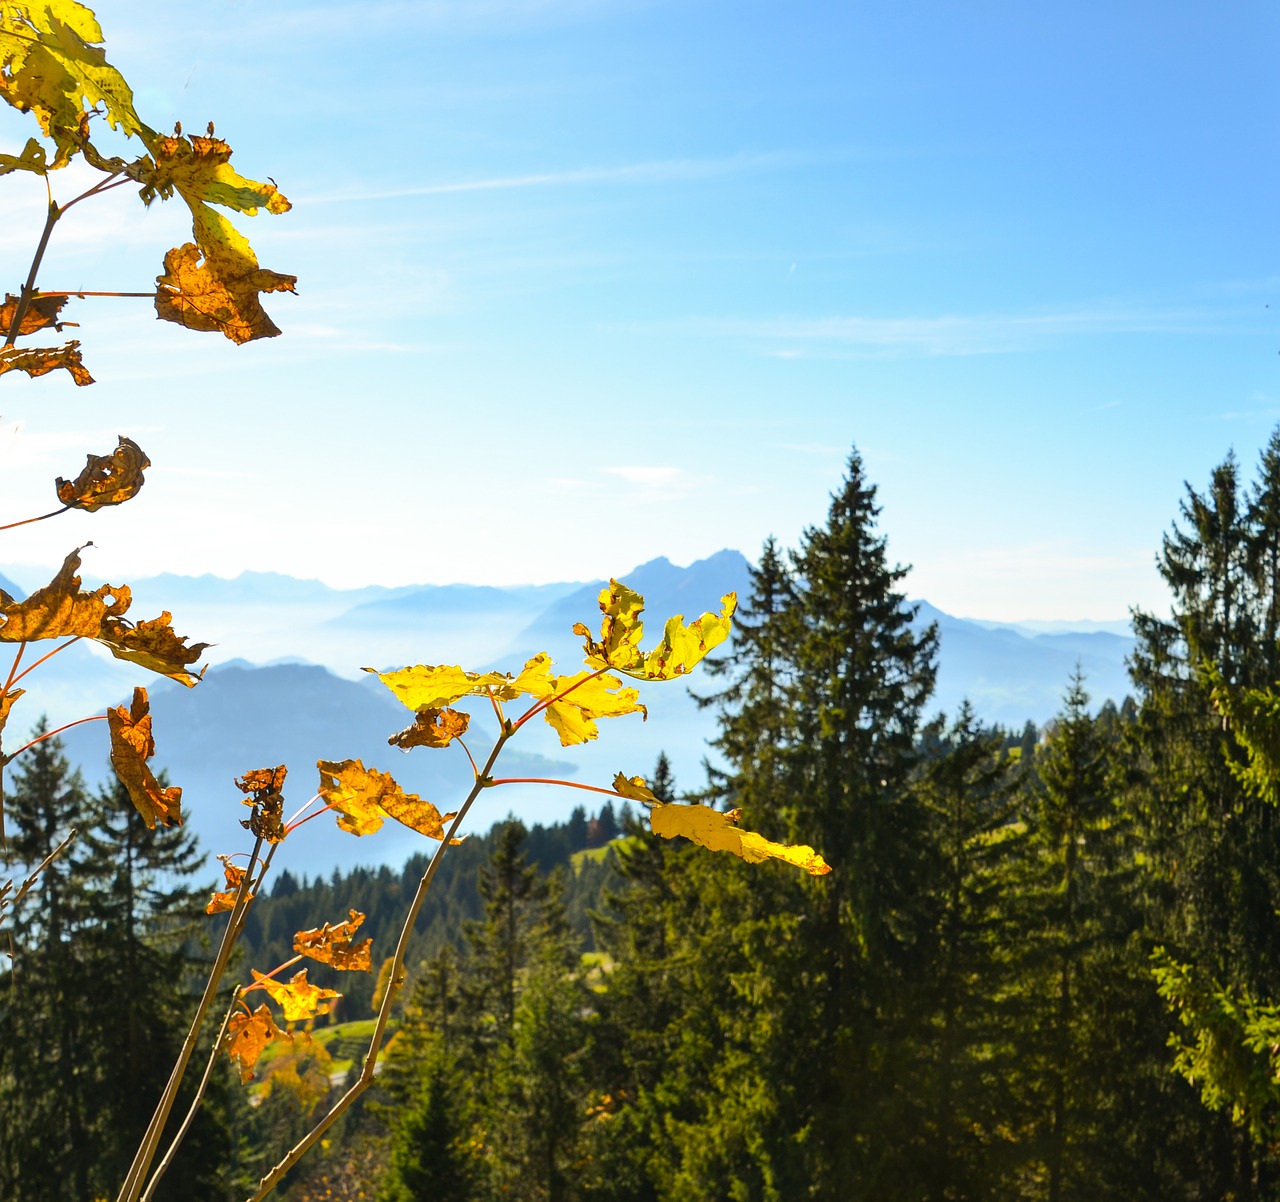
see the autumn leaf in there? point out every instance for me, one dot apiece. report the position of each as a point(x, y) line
point(218, 293)
point(55, 69)
point(331, 944)
point(41, 313)
point(363, 797)
point(154, 645)
point(299, 999)
point(39, 361)
point(106, 479)
point(425, 687)
point(717, 831)
point(6, 704)
point(226, 900)
point(264, 787)
point(59, 608)
point(32, 158)
point(131, 746)
point(432, 728)
point(635, 788)
point(248, 1035)
point(681, 647)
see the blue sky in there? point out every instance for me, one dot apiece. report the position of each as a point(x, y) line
point(586, 282)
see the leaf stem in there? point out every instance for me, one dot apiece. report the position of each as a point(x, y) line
point(49, 734)
point(542, 780)
point(475, 771)
point(394, 983)
point(47, 655)
point(81, 293)
point(41, 518)
point(13, 669)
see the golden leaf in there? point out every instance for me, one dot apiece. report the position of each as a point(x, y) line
point(583, 697)
point(681, 648)
point(218, 293)
point(153, 644)
point(363, 797)
point(131, 746)
point(39, 361)
point(247, 1035)
point(59, 608)
point(264, 786)
point(331, 944)
point(715, 830)
point(635, 788)
point(425, 687)
point(106, 479)
point(432, 728)
point(299, 999)
point(42, 313)
point(221, 900)
point(32, 158)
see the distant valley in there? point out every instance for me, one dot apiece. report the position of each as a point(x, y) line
point(285, 686)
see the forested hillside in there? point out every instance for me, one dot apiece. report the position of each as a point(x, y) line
point(1043, 966)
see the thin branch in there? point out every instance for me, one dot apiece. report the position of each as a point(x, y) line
point(80, 294)
point(475, 771)
point(196, 1102)
point(394, 983)
point(150, 1141)
point(542, 780)
point(26, 885)
point(29, 288)
point(43, 517)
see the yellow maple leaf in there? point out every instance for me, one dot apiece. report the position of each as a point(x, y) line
point(131, 746)
point(331, 944)
point(715, 830)
point(106, 479)
point(55, 68)
point(247, 1035)
point(681, 647)
point(363, 797)
point(299, 999)
point(432, 728)
point(39, 361)
point(427, 687)
point(226, 899)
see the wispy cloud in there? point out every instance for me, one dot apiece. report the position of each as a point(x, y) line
point(661, 171)
point(949, 334)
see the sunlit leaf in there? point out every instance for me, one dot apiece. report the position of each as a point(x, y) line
point(39, 361)
point(226, 899)
point(264, 787)
point(363, 797)
point(41, 313)
point(331, 944)
point(32, 158)
point(681, 647)
point(55, 68)
point(154, 645)
point(106, 479)
point(717, 831)
point(218, 291)
point(247, 1035)
point(131, 746)
point(425, 687)
point(432, 728)
point(635, 788)
point(59, 608)
point(299, 999)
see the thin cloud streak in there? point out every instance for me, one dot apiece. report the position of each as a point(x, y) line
point(657, 172)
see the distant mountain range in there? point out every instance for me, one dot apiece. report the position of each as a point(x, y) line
point(285, 686)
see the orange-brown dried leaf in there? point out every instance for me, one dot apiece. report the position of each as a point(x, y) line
point(226, 900)
point(432, 728)
point(106, 479)
point(60, 609)
point(299, 999)
point(362, 797)
point(41, 314)
point(262, 780)
point(718, 831)
point(39, 361)
point(154, 645)
point(247, 1035)
point(131, 746)
point(263, 786)
point(204, 293)
point(331, 944)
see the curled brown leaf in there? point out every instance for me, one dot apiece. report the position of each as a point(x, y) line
point(132, 745)
point(106, 479)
